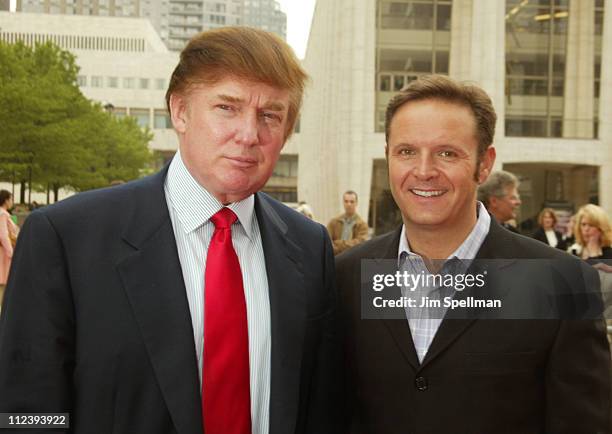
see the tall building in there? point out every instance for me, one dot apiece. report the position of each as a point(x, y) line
point(114, 8)
point(265, 14)
point(547, 65)
point(5, 5)
point(176, 21)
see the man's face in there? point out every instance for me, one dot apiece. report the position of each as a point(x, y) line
point(350, 204)
point(231, 134)
point(504, 208)
point(432, 154)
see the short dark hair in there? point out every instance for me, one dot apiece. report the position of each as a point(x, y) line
point(440, 87)
point(242, 52)
point(351, 192)
point(4, 196)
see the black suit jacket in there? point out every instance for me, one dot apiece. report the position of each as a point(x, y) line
point(479, 376)
point(96, 321)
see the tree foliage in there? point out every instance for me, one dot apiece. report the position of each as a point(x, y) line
point(53, 135)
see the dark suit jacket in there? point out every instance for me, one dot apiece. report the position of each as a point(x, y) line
point(540, 235)
point(96, 320)
point(479, 376)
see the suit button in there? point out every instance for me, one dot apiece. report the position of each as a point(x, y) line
point(421, 383)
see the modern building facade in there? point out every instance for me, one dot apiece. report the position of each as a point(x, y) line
point(547, 65)
point(176, 21)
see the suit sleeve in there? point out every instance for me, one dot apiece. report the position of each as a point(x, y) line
point(37, 338)
point(324, 413)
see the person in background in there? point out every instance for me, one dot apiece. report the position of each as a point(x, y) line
point(546, 233)
point(8, 238)
point(348, 229)
point(593, 234)
point(499, 194)
point(305, 209)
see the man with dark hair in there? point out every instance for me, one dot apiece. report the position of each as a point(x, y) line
point(348, 229)
point(499, 194)
point(204, 305)
point(453, 372)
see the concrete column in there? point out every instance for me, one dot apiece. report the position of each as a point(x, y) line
point(578, 110)
point(488, 58)
point(460, 60)
point(339, 106)
point(605, 112)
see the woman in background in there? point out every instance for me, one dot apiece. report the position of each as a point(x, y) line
point(8, 237)
point(546, 232)
point(593, 233)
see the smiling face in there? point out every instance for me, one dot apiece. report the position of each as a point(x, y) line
point(432, 155)
point(231, 134)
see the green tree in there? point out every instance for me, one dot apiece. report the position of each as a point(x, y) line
point(53, 136)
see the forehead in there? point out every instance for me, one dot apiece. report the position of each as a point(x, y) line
point(432, 120)
point(349, 196)
point(241, 90)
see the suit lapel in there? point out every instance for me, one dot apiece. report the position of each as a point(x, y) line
point(399, 328)
point(452, 328)
point(154, 285)
point(288, 315)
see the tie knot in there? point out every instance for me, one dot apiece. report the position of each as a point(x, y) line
point(224, 218)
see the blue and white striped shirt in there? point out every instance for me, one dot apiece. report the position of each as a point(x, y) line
point(191, 207)
point(423, 325)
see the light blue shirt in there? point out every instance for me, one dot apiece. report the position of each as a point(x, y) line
point(422, 325)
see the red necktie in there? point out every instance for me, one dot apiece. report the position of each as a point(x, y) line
point(226, 399)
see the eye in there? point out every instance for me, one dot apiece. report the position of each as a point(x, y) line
point(448, 154)
point(271, 116)
point(225, 107)
point(406, 152)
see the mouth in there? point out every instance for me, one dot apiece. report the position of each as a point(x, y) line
point(242, 162)
point(427, 193)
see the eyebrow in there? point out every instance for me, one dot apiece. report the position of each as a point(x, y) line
point(272, 105)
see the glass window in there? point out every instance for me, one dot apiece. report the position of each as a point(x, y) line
point(161, 120)
point(141, 115)
point(398, 82)
point(160, 83)
point(112, 81)
point(96, 81)
point(144, 83)
point(82, 80)
point(385, 83)
point(128, 82)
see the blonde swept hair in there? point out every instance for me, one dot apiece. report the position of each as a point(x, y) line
point(598, 218)
point(543, 214)
point(245, 53)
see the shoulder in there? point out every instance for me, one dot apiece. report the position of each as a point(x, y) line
point(107, 204)
point(504, 244)
point(376, 248)
point(281, 214)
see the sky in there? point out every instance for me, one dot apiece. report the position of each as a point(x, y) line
point(299, 16)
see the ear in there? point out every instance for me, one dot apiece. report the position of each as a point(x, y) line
point(486, 164)
point(178, 112)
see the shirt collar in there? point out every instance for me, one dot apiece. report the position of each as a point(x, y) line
point(470, 246)
point(194, 205)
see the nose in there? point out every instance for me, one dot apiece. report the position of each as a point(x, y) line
point(425, 167)
point(247, 132)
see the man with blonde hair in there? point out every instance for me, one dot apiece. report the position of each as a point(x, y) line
point(205, 305)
